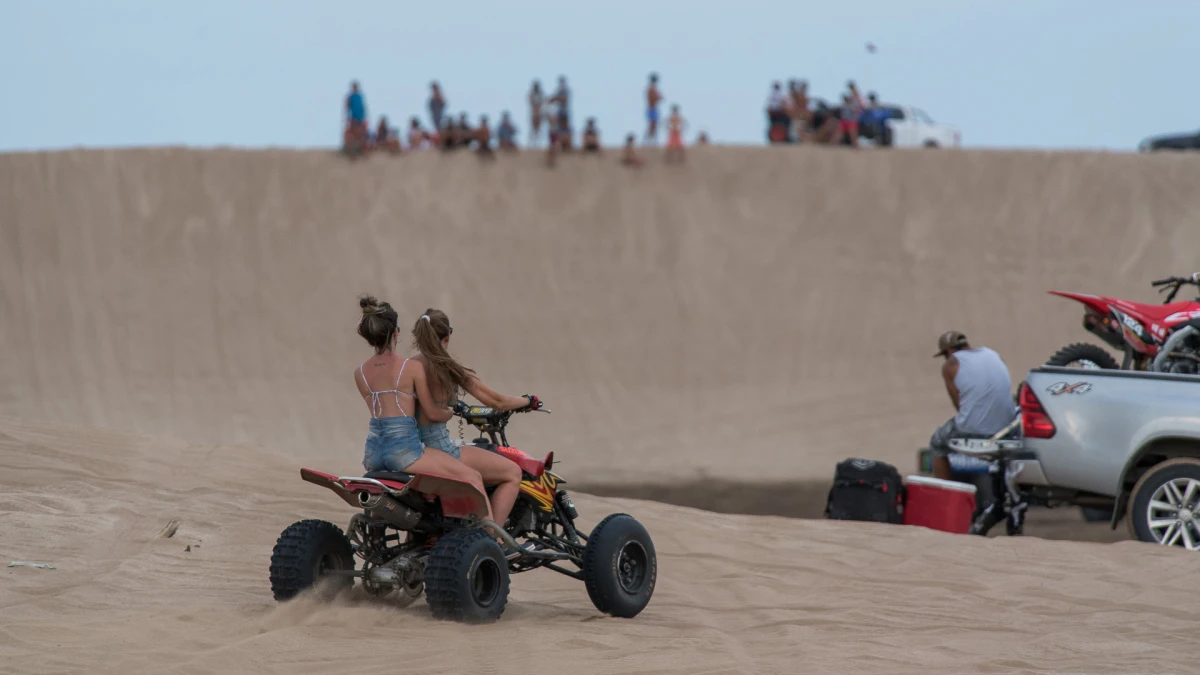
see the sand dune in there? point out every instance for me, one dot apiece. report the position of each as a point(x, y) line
point(737, 594)
point(759, 313)
point(755, 315)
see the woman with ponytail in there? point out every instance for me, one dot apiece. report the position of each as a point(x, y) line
point(431, 337)
point(392, 388)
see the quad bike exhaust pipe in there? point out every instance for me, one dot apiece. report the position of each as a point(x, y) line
point(386, 508)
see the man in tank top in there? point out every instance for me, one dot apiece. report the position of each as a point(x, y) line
point(980, 388)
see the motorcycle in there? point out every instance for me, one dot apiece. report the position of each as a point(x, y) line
point(1162, 338)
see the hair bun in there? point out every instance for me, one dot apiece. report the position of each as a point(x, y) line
point(370, 305)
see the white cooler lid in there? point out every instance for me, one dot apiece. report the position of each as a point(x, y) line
point(940, 482)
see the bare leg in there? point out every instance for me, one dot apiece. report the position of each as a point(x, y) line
point(499, 471)
point(437, 462)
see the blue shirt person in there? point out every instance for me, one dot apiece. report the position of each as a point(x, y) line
point(356, 105)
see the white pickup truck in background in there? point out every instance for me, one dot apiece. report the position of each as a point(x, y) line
point(909, 127)
point(890, 125)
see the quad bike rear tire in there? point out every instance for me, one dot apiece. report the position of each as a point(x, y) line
point(304, 555)
point(466, 577)
point(1085, 353)
point(620, 567)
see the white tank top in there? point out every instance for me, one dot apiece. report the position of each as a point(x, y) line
point(985, 403)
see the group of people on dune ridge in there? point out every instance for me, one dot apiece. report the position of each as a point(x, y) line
point(550, 120)
point(412, 398)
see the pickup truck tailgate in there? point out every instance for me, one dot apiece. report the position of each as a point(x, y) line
point(1103, 418)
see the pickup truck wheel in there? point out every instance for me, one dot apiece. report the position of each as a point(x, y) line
point(1165, 508)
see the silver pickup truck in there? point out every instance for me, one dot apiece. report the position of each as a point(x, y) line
point(1125, 440)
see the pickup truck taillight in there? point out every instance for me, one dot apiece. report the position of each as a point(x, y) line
point(1035, 423)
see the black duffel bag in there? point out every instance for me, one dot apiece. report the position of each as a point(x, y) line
point(864, 489)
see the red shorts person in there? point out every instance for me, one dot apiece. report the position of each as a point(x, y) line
point(675, 125)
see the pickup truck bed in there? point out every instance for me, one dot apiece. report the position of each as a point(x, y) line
point(1132, 436)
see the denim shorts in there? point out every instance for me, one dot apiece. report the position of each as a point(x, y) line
point(437, 436)
point(393, 443)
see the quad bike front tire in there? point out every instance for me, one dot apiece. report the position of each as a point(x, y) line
point(1164, 505)
point(1085, 355)
point(466, 577)
point(620, 567)
point(305, 553)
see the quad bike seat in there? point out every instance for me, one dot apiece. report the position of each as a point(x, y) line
point(398, 476)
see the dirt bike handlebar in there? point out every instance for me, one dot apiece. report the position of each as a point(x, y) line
point(1177, 280)
point(1174, 284)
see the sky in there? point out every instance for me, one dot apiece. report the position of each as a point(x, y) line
point(1078, 74)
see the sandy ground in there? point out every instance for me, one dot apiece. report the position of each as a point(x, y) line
point(716, 335)
point(737, 594)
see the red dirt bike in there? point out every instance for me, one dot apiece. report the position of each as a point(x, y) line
point(428, 533)
point(1162, 338)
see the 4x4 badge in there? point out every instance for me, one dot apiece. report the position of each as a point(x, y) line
point(1064, 388)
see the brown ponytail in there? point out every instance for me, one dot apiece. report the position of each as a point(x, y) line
point(445, 373)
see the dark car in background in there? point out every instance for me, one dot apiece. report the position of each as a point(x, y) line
point(1185, 141)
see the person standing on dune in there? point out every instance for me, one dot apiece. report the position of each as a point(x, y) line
point(536, 100)
point(437, 104)
point(675, 126)
point(980, 388)
point(355, 135)
point(653, 98)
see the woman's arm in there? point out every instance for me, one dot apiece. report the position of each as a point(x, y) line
point(433, 411)
point(492, 398)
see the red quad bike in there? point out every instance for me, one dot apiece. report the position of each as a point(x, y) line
point(1161, 338)
point(428, 533)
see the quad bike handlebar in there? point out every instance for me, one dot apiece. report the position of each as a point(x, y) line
point(490, 420)
point(477, 414)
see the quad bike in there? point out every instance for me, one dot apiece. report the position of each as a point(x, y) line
point(1162, 338)
point(428, 533)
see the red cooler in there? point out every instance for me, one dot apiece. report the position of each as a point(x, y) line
point(938, 504)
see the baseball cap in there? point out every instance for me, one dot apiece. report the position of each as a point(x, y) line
point(949, 340)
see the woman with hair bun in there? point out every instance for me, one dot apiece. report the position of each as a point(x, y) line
point(392, 387)
point(431, 337)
